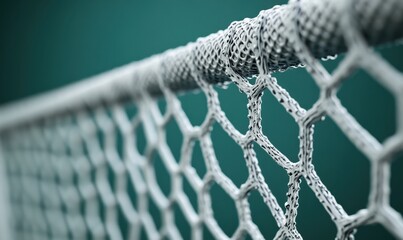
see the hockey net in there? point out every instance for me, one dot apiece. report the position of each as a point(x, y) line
point(70, 157)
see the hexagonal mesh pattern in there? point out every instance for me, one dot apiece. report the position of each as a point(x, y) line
point(83, 175)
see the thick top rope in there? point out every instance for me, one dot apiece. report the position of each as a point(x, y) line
point(318, 26)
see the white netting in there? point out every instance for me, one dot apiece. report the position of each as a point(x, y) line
point(68, 173)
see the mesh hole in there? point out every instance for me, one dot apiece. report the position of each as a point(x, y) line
point(262, 216)
point(366, 99)
point(332, 153)
point(131, 110)
point(190, 193)
point(120, 143)
point(181, 223)
point(141, 141)
point(174, 138)
point(162, 174)
point(229, 156)
point(252, 80)
point(111, 177)
point(162, 105)
point(299, 84)
point(207, 234)
point(198, 160)
point(155, 213)
point(101, 138)
point(233, 103)
point(122, 223)
point(143, 234)
point(194, 104)
point(248, 237)
point(375, 231)
point(320, 225)
point(224, 209)
point(279, 127)
point(131, 192)
point(392, 53)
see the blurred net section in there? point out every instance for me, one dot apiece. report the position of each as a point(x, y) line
point(89, 172)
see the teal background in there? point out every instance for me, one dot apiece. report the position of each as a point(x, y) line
point(49, 44)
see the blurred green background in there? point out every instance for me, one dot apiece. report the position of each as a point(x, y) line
point(48, 44)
